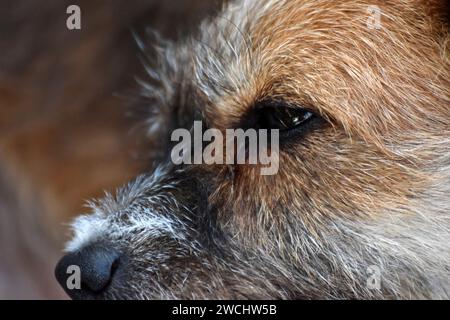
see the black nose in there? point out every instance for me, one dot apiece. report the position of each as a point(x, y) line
point(86, 273)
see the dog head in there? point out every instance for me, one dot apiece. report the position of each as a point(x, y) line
point(360, 93)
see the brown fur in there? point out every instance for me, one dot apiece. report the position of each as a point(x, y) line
point(64, 131)
point(369, 186)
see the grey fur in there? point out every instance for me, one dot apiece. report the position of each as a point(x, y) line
point(180, 245)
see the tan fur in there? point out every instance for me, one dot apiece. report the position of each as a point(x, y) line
point(368, 188)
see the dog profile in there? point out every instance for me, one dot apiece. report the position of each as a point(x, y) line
point(363, 183)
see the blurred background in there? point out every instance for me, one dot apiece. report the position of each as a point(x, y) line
point(64, 133)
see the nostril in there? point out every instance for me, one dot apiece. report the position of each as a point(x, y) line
point(97, 265)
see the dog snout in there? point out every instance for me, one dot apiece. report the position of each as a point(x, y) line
point(95, 265)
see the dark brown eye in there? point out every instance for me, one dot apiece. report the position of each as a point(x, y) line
point(292, 121)
point(283, 118)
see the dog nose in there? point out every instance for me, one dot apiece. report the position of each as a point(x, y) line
point(94, 265)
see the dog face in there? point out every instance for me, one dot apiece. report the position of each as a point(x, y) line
point(363, 178)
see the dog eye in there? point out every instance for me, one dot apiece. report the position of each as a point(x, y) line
point(284, 118)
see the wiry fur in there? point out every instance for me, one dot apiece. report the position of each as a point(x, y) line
point(369, 188)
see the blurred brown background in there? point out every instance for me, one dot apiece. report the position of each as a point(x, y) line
point(64, 136)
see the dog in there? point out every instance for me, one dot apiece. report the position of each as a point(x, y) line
point(359, 208)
